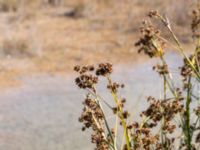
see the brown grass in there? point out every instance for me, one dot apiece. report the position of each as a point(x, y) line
point(54, 40)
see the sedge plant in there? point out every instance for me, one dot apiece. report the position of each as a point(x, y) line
point(158, 128)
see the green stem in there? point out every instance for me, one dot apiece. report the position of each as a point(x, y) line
point(163, 135)
point(187, 119)
point(165, 87)
point(116, 130)
point(114, 94)
point(180, 48)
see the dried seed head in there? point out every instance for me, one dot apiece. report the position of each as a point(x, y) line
point(151, 43)
point(113, 87)
point(125, 114)
point(153, 13)
point(161, 69)
point(104, 69)
point(93, 117)
point(86, 81)
point(77, 68)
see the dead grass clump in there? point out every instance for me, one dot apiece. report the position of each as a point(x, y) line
point(17, 48)
point(8, 5)
point(54, 2)
point(76, 12)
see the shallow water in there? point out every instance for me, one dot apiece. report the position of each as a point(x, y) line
point(42, 114)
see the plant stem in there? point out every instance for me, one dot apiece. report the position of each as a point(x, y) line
point(180, 48)
point(187, 115)
point(114, 94)
point(116, 130)
point(94, 93)
point(163, 135)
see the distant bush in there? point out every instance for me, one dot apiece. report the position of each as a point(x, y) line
point(17, 48)
point(8, 5)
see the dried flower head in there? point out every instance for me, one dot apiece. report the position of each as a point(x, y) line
point(161, 69)
point(150, 43)
point(104, 69)
point(186, 70)
point(159, 109)
point(93, 117)
point(153, 13)
point(86, 81)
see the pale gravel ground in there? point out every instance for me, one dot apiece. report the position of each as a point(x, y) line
point(42, 114)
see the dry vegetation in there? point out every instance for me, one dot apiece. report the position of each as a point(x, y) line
point(53, 36)
point(171, 119)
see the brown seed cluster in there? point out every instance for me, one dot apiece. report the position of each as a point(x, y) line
point(88, 75)
point(150, 43)
point(93, 117)
point(153, 13)
point(156, 112)
point(120, 105)
point(187, 71)
point(83, 69)
point(86, 78)
point(115, 86)
point(86, 81)
point(104, 69)
point(166, 109)
point(91, 110)
point(161, 69)
point(143, 137)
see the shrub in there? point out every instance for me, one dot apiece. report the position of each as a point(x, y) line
point(8, 5)
point(17, 48)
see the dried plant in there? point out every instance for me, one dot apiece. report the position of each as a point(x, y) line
point(157, 130)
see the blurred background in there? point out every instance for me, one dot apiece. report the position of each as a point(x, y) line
point(54, 35)
point(40, 43)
